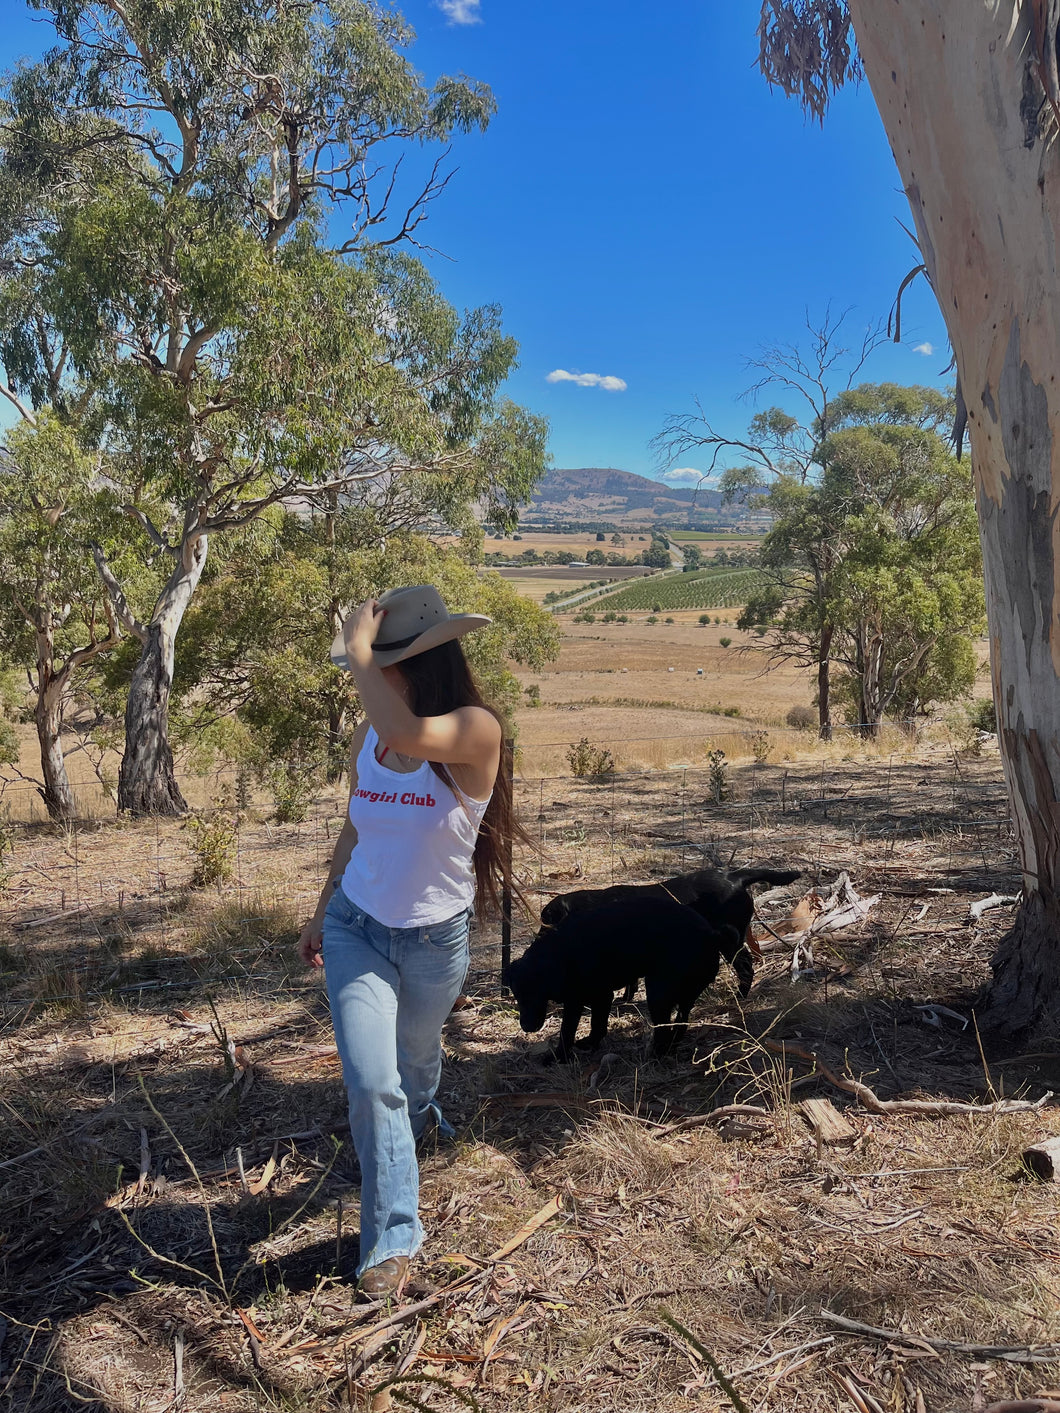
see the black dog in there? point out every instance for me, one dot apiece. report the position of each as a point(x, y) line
point(722, 900)
point(592, 953)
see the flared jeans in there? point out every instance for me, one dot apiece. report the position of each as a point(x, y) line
point(390, 989)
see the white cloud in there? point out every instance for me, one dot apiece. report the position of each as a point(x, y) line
point(587, 380)
point(460, 12)
point(927, 349)
point(687, 474)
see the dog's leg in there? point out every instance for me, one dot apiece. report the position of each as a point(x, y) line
point(572, 1014)
point(601, 1012)
point(661, 1002)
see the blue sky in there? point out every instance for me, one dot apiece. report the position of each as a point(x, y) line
point(647, 211)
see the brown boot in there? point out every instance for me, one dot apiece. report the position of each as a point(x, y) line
point(383, 1280)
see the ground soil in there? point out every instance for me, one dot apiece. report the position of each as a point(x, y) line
point(179, 1218)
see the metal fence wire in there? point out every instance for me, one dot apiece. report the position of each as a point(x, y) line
point(108, 906)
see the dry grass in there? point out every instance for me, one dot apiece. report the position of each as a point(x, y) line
point(742, 1234)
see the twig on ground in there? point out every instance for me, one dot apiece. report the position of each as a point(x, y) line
point(875, 1105)
point(1014, 1353)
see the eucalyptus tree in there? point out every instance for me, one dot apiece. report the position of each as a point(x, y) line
point(969, 95)
point(56, 619)
point(201, 215)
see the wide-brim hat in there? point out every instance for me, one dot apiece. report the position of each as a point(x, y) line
point(416, 620)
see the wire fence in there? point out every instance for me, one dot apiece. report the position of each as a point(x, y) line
point(109, 907)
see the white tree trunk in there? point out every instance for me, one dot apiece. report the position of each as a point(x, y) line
point(147, 783)
point(959, 90)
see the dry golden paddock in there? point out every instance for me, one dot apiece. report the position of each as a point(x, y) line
point(179, 1223)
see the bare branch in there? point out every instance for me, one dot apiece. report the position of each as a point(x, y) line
point(122, 610)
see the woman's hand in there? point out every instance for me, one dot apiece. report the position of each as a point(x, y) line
point(310, 943)
point(360, 631)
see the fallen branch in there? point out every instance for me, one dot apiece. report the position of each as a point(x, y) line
point(996, 900)
point(875, 1105)
point(1015, 1353)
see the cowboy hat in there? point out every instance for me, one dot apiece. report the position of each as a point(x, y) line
point(416, 620)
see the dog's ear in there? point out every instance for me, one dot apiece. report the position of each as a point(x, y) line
point(553, 913)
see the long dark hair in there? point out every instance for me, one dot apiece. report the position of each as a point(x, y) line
point(439, 681)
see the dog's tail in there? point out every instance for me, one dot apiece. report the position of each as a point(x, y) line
point(776, 878)
point(736, 952)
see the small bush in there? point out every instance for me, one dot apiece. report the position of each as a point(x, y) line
point(610, 616)
point(983, 716)
point(214, 837)
point(761, 745)
point(802, 717)
point(669, 620)
point(704, 618)
point(623, 618)
point(732, 711)
point(532, 695)
point(718, 766)
point(725, 642)
point(587, 761)
point(656, 608)
point(651, 618)
point(293, 788)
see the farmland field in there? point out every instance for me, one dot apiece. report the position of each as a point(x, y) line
point(713, 588)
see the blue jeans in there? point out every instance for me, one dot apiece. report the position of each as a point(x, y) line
point(390, 989)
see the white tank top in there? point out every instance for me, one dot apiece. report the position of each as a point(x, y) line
point(411, 865)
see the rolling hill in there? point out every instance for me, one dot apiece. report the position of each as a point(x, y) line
point(605, 493)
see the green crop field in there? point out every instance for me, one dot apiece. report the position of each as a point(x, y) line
point(713, 588)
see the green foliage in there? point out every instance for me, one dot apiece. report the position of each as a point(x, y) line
point(293, 789)
point(761, 745)
point(983, 716)
point(878, 558)
point(213, 842)
point(718, 776)
point(725, 642)
point(704, 618)
point(587, 761)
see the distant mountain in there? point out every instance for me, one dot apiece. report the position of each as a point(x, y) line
point(604, 493)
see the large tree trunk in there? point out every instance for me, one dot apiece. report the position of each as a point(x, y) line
point(57, 795)
point(960, 91)
point(824, 684)
point(147, 783)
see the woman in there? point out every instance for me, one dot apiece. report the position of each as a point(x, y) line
point(423, 845)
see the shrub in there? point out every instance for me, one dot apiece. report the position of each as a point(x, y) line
point(725, 642)
point(214, 837)
point(656, 608)
point(293, 788)
point(669, 620)
point(610, 616)
point(704, 618)
point(532, 694)
point(983, 716)
point(801, 717)
point(732, 711)
point(761, 745)
point(718, 766)
point(623, 618)
point(587, 761)
point(651, 618)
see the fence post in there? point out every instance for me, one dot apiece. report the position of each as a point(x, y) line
point(508, 766)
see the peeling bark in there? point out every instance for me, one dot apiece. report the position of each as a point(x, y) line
point(959, 85)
